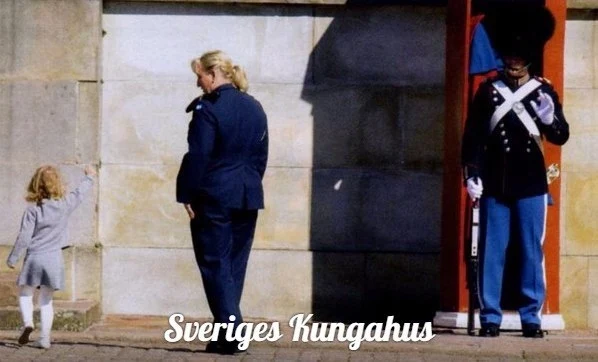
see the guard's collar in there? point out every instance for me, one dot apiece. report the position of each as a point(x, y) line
point(516, 83)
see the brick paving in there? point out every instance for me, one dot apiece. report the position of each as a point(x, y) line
point(141, 339)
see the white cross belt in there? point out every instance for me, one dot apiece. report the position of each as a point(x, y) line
point(513, 102)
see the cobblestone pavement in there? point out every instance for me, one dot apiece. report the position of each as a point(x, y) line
point(141, 339)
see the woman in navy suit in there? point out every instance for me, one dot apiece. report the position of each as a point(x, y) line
point(220, 183)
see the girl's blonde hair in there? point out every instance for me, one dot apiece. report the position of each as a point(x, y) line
point(46, 183)
point(218, 59)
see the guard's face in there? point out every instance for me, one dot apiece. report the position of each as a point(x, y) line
point(205, 79)
point(515, 67)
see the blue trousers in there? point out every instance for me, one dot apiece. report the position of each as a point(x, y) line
point(222, 240)
point(528, 216)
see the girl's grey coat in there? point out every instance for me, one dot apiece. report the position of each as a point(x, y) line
point(43, 234)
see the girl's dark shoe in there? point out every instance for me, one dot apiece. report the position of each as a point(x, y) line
point(24, 338)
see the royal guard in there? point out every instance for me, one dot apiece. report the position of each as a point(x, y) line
point(510, 117)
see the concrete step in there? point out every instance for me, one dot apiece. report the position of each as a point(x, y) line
point(73, 316)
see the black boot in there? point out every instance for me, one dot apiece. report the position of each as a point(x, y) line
point(489, 330)
point(531, 330)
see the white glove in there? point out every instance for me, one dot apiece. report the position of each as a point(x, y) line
point(545, 108)
point(474, 187)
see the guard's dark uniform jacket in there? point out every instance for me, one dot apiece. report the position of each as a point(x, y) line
point(228, 151)
point(508, 159)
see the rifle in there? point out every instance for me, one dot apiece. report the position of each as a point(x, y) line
point(472, 282)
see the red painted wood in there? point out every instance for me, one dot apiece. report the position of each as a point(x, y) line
point(452, 267)
point(553, 65)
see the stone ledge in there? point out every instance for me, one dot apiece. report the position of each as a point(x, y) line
point(571, 4)
point(582, 4)
point(511, 321)
point(8, 289)
point(72, 316)
point(308, 2)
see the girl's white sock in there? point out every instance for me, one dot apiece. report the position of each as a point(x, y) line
point(46, 311)
point(26, 305)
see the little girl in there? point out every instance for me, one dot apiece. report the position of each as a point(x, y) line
point(43, 235)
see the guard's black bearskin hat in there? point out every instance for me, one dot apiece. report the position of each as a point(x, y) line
point(518, 28)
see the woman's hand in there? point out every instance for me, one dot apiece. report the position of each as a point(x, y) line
point(190, 211)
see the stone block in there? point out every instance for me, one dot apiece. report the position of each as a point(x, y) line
point(405, 286)
point(579, 57)
point(580, 106)
point(422, 123)
point(578, 153)
point(290, 124)
point(145, 122)
point(14, 179)
point(592, 292)
point(368, 210)
point(594, 48)
point(574, 291)
point(38, 121)
point(69, 278)
point(355, 126)
point(87, 273)
point(49, 39)
point(338, 282)
point(165, 281)
point(152, 281)
point(83, 222)
point(379, 45)
point(88, 122)
point(158, 221)
point(158, 40)
point(9, 291)
point(139, 207)
point(278, 284)
point(580, 211)
point(284, 223)
point(377, 127)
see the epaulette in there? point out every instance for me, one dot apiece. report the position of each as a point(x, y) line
point(193, 104)
point(491, 79)
point(543, 80)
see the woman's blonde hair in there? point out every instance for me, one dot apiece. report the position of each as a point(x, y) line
point(218, 59)
point(46, 183)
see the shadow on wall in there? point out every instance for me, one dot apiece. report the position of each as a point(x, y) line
point(375, 83)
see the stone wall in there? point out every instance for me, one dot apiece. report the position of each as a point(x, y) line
point(355, 103)
point(49, 102)
point(579, 241)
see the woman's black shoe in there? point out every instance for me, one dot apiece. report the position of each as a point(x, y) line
point(489, 330)
point(224, 347)
point(213, 347)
